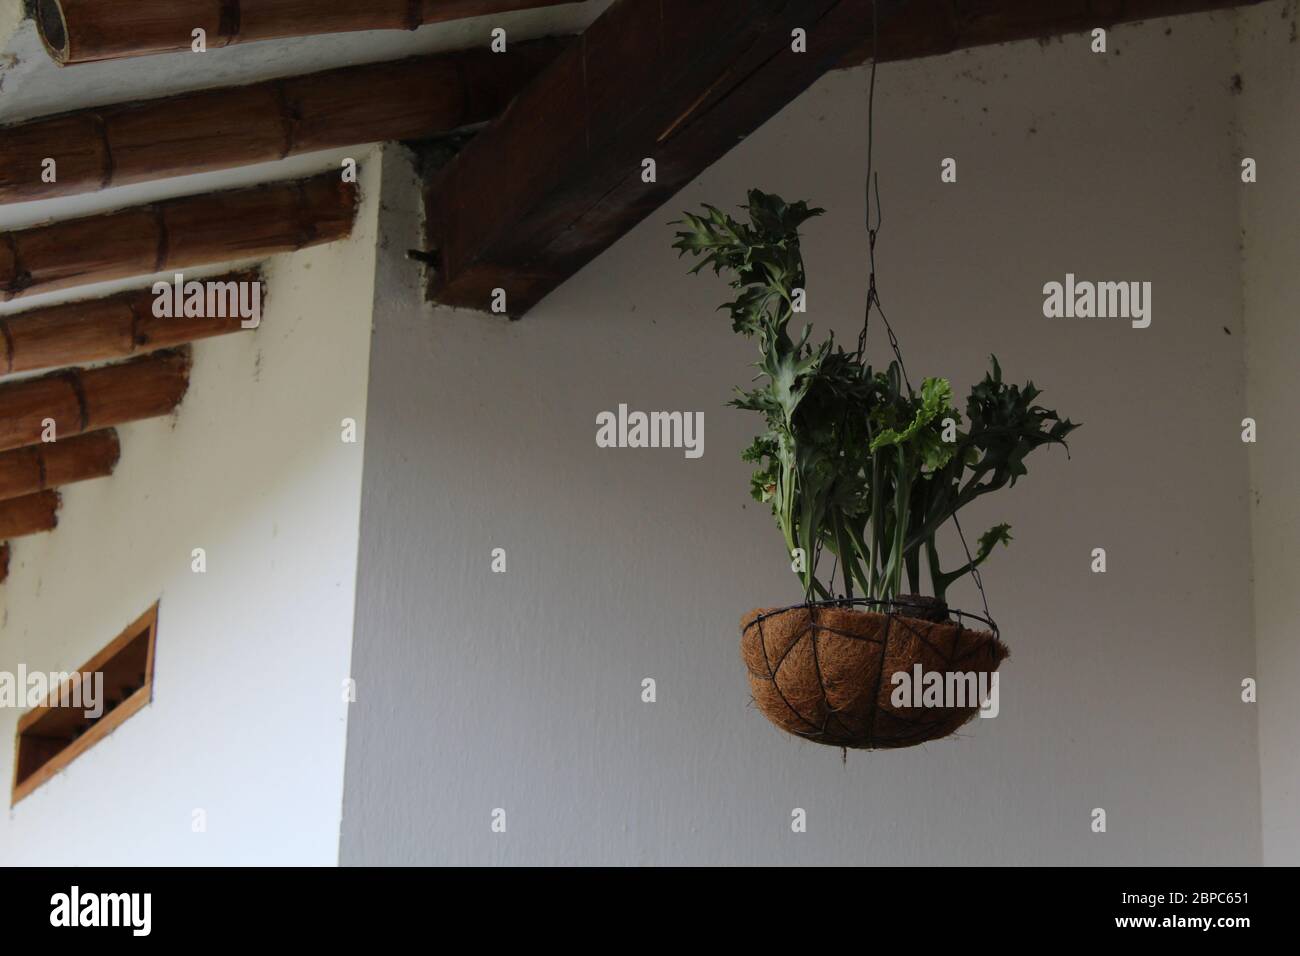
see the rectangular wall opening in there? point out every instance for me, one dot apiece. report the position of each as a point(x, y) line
point(54, 733)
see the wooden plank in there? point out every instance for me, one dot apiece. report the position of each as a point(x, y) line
point(115, 327)
point(84, 400)
point(934, 27)
point(177, 234)
point(30, 514)
point(97, 732)
point(82, 31)
point(558, 177)
point(46, 742)
point(146, 622)
point(236, 126)
point(35, 468)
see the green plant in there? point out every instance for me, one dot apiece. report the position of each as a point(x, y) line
point(853, 459)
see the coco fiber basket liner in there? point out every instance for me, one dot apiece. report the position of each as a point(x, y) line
point(823, 671)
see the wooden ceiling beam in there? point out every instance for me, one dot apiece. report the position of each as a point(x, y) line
point(31, 514)
point(557, 178)
point(36, 468)
point(177, 234)
point(81, 31)
point(115, 327)
point(77, 401)
point(236, 126)
point(934, 27)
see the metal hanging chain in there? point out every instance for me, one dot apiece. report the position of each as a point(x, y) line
point(873, 294)
point(974, 571)
point(873, 183)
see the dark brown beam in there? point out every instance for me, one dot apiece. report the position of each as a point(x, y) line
point(29, 515)
point(557, 179)
point(85, 400)
point(177, 234)
point(116, 327)
point(236, 126)
point(80, 31)
point(26, 471)
point(4, 562)
point(924, 28)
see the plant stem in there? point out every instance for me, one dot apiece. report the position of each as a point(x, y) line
point(937, 581)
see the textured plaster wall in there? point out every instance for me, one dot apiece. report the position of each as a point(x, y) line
point(1270, 133)
point(522, 691)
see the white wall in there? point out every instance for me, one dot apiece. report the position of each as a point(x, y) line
point(247, 720)
point(1269, 132)
point(521, 691)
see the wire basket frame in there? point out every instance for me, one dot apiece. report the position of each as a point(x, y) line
point(834, 727)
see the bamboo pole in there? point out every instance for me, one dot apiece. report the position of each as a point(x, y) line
point(116, 327)
point(31, 514)
point(79, 31)
point(26, 471)
point(177, 234)
point(236, 126)
point(76, 401)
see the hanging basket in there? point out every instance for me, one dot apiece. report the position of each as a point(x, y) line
point(824, 671)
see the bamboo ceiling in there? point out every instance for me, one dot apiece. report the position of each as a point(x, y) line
point(71, 373)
